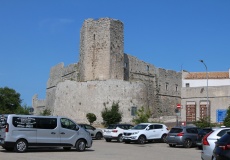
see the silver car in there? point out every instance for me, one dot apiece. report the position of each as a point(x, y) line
point(208, 142)
point(28, 131)
point(96, 133)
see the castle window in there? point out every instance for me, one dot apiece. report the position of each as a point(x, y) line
point(176, 87)
point(125, 65)
point(147, 68)
point(94, 37)
point(133, 111)
point(187, 84)
point(166, 86)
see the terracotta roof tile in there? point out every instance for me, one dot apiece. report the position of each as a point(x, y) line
point(211, 75)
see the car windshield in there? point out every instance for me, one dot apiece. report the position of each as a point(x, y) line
point(112, 127)
point(139, 127)
point(176, 130)
point(225, 138)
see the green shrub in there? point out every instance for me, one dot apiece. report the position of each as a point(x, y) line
point(46, 112)
point(227, 119)
point(91, 117)
point(142, 116)
point(111, 116)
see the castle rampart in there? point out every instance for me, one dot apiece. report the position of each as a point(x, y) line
point(105, 74)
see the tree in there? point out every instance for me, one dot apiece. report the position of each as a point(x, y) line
point(203, 122)
point(46, 112)
point(227, 118)
point(10, 102)
point(142, 116)
point(91, 117)
point(111, 116)
point(23, 110)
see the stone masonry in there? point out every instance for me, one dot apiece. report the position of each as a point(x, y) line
point(105, 74)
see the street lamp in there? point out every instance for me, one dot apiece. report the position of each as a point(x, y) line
point(207, 104)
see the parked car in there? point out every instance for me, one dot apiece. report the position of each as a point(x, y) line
point(115, 131)
point(222, 148)
point(3, 120)
point(27, 131)
point(182, 135)
point(96, 133)
point(200, 136)
point(146, 132)
point(208, 142)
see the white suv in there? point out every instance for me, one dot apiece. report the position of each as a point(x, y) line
point(146, 132)
point(115, 131)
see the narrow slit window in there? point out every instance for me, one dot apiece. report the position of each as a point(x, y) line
point(147, 68)
point(166, 86)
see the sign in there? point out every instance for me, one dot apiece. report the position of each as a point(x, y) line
point(220, 115)
point(178, 106)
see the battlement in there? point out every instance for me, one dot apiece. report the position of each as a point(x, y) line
point(59, 73)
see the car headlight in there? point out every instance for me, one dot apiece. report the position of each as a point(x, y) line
point(135, 132)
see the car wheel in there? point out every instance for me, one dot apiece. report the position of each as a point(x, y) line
point(66, 148)
point(163, 138)
point(119, 138)
point(98, 136)
point(172, 145)
point(187, 143)
point(141, 140)
point(20, 146)
point(108, 140)
point(80, 145)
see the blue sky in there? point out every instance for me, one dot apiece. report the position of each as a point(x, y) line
point(36, 35)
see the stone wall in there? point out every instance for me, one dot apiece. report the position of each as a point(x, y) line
point(101, 50)
point(39, 105)
point(76, 99)
point(58, 73)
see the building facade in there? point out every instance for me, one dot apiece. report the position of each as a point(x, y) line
point(205, 96)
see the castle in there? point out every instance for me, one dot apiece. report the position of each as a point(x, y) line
point(105, 75)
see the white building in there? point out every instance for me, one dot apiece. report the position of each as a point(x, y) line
point(198, 88)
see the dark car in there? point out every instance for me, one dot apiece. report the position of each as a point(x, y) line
point(222, 148)
point(200, 136)
point(183, 135)
point(96, 133)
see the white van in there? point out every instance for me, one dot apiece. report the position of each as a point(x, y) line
point(26, 131)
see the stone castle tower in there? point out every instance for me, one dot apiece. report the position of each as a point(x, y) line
point(101, 50)
point(104, 75)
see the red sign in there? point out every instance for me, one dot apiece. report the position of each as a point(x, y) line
point(178, 106)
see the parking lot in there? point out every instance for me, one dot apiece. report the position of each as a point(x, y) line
point(102, 150)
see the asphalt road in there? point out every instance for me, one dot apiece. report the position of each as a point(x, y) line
point(102, 150)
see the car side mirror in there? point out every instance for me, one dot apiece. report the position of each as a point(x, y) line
point(147, 128)
point(77, 128)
